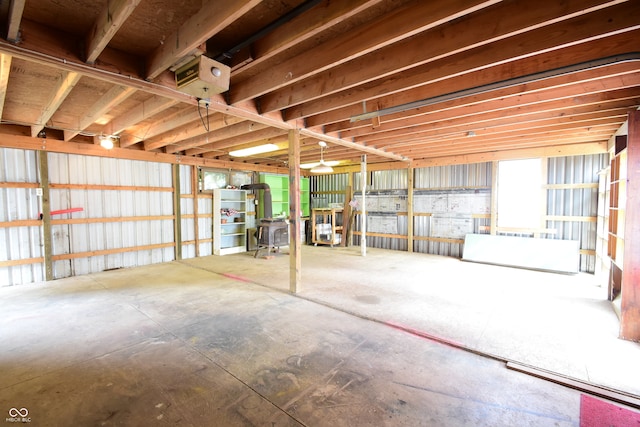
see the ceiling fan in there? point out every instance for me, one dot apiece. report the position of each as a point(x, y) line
point(322, 166)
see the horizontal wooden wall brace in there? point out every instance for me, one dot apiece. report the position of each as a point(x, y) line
point(193, 242)
point(108, 187)
point(571, 218)
point(90, 254)
point(24, 261)
point(19, 185)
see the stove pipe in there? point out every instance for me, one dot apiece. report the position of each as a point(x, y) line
point(266, 198)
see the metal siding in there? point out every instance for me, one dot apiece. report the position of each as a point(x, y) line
point(575, 202)
point(205, 225)
point(19, 166)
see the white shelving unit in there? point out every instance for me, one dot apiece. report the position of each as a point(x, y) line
point(229, 221)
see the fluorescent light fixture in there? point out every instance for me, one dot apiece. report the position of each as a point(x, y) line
point(258, 149)
point(106, 142)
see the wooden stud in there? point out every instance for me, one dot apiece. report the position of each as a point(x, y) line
point(43, 168)
point(410, 185)
point(295, 256)
point(544, 170)
point(177, 211)
point(195, 189)
point(494, 198)
point(363, 208)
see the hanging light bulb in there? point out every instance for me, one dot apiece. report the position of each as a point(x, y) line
point(106, 142)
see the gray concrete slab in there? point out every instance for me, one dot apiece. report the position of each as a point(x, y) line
point(557, 322)
point(196, 343)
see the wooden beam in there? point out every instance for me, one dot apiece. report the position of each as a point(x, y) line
point(304, 27)
point(260, 133)
point(401, 56)
point(222, 132)
point(168, 122)
point(245, 111)
point(47, 235)
point(152, 106)
point(113, 97)
point(107, 24)
point(195, 190)
point(213, 17)
point(527, 53)
point(295, 254)
point(492, 112)
point(526, 153)
point(194, 133)
point(57, 146)
point(493, 229)
point(23, 261)
point(177, 212)
point(402, 23)
point(410, 214)
point(66, 83)
point(15, 17)
point(5, 70)
point(630, 301)
point(103, 252)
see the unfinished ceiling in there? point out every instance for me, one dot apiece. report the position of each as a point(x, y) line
point(417, 82)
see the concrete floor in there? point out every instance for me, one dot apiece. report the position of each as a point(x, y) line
point(219, 341)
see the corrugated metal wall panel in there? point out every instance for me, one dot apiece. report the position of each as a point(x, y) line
point(321, 184)
point(453, 176)
point(205, 225)
point(19, 166)
point(102, 203)
point(186, 208)
point(579, 202)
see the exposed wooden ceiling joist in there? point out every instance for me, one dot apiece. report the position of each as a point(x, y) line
point(77, 71)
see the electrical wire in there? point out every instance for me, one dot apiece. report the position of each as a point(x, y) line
point(206, 104)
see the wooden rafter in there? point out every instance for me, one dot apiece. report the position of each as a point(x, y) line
point(115, 96)
point(109, 21)
point(66, 83)
point(418, 50)
point(140, 112)
point(5, 70)
point(410, 20)
point(213, 17)
point(16, 9)
point(534, 45)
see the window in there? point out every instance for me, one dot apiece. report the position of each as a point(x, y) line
point(211, 179)
point(519, 193)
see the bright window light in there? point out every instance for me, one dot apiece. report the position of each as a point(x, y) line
point(519, 193)
point(259, 149)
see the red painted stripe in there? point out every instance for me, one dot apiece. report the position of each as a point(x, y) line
point(236, 277)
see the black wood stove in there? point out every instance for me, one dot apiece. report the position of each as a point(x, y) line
point(271, 232)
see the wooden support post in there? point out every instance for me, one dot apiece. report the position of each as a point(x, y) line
point(363, 208)
point(494, 198)
point(544, 172)
point(195, 190)
point(295, 256)
point(46, 215)
point(350, 178)
point(410, 209)
point(630, 301)
point(177, 212)
point(346, 216)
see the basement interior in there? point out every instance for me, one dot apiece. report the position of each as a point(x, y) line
point(320, 213)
